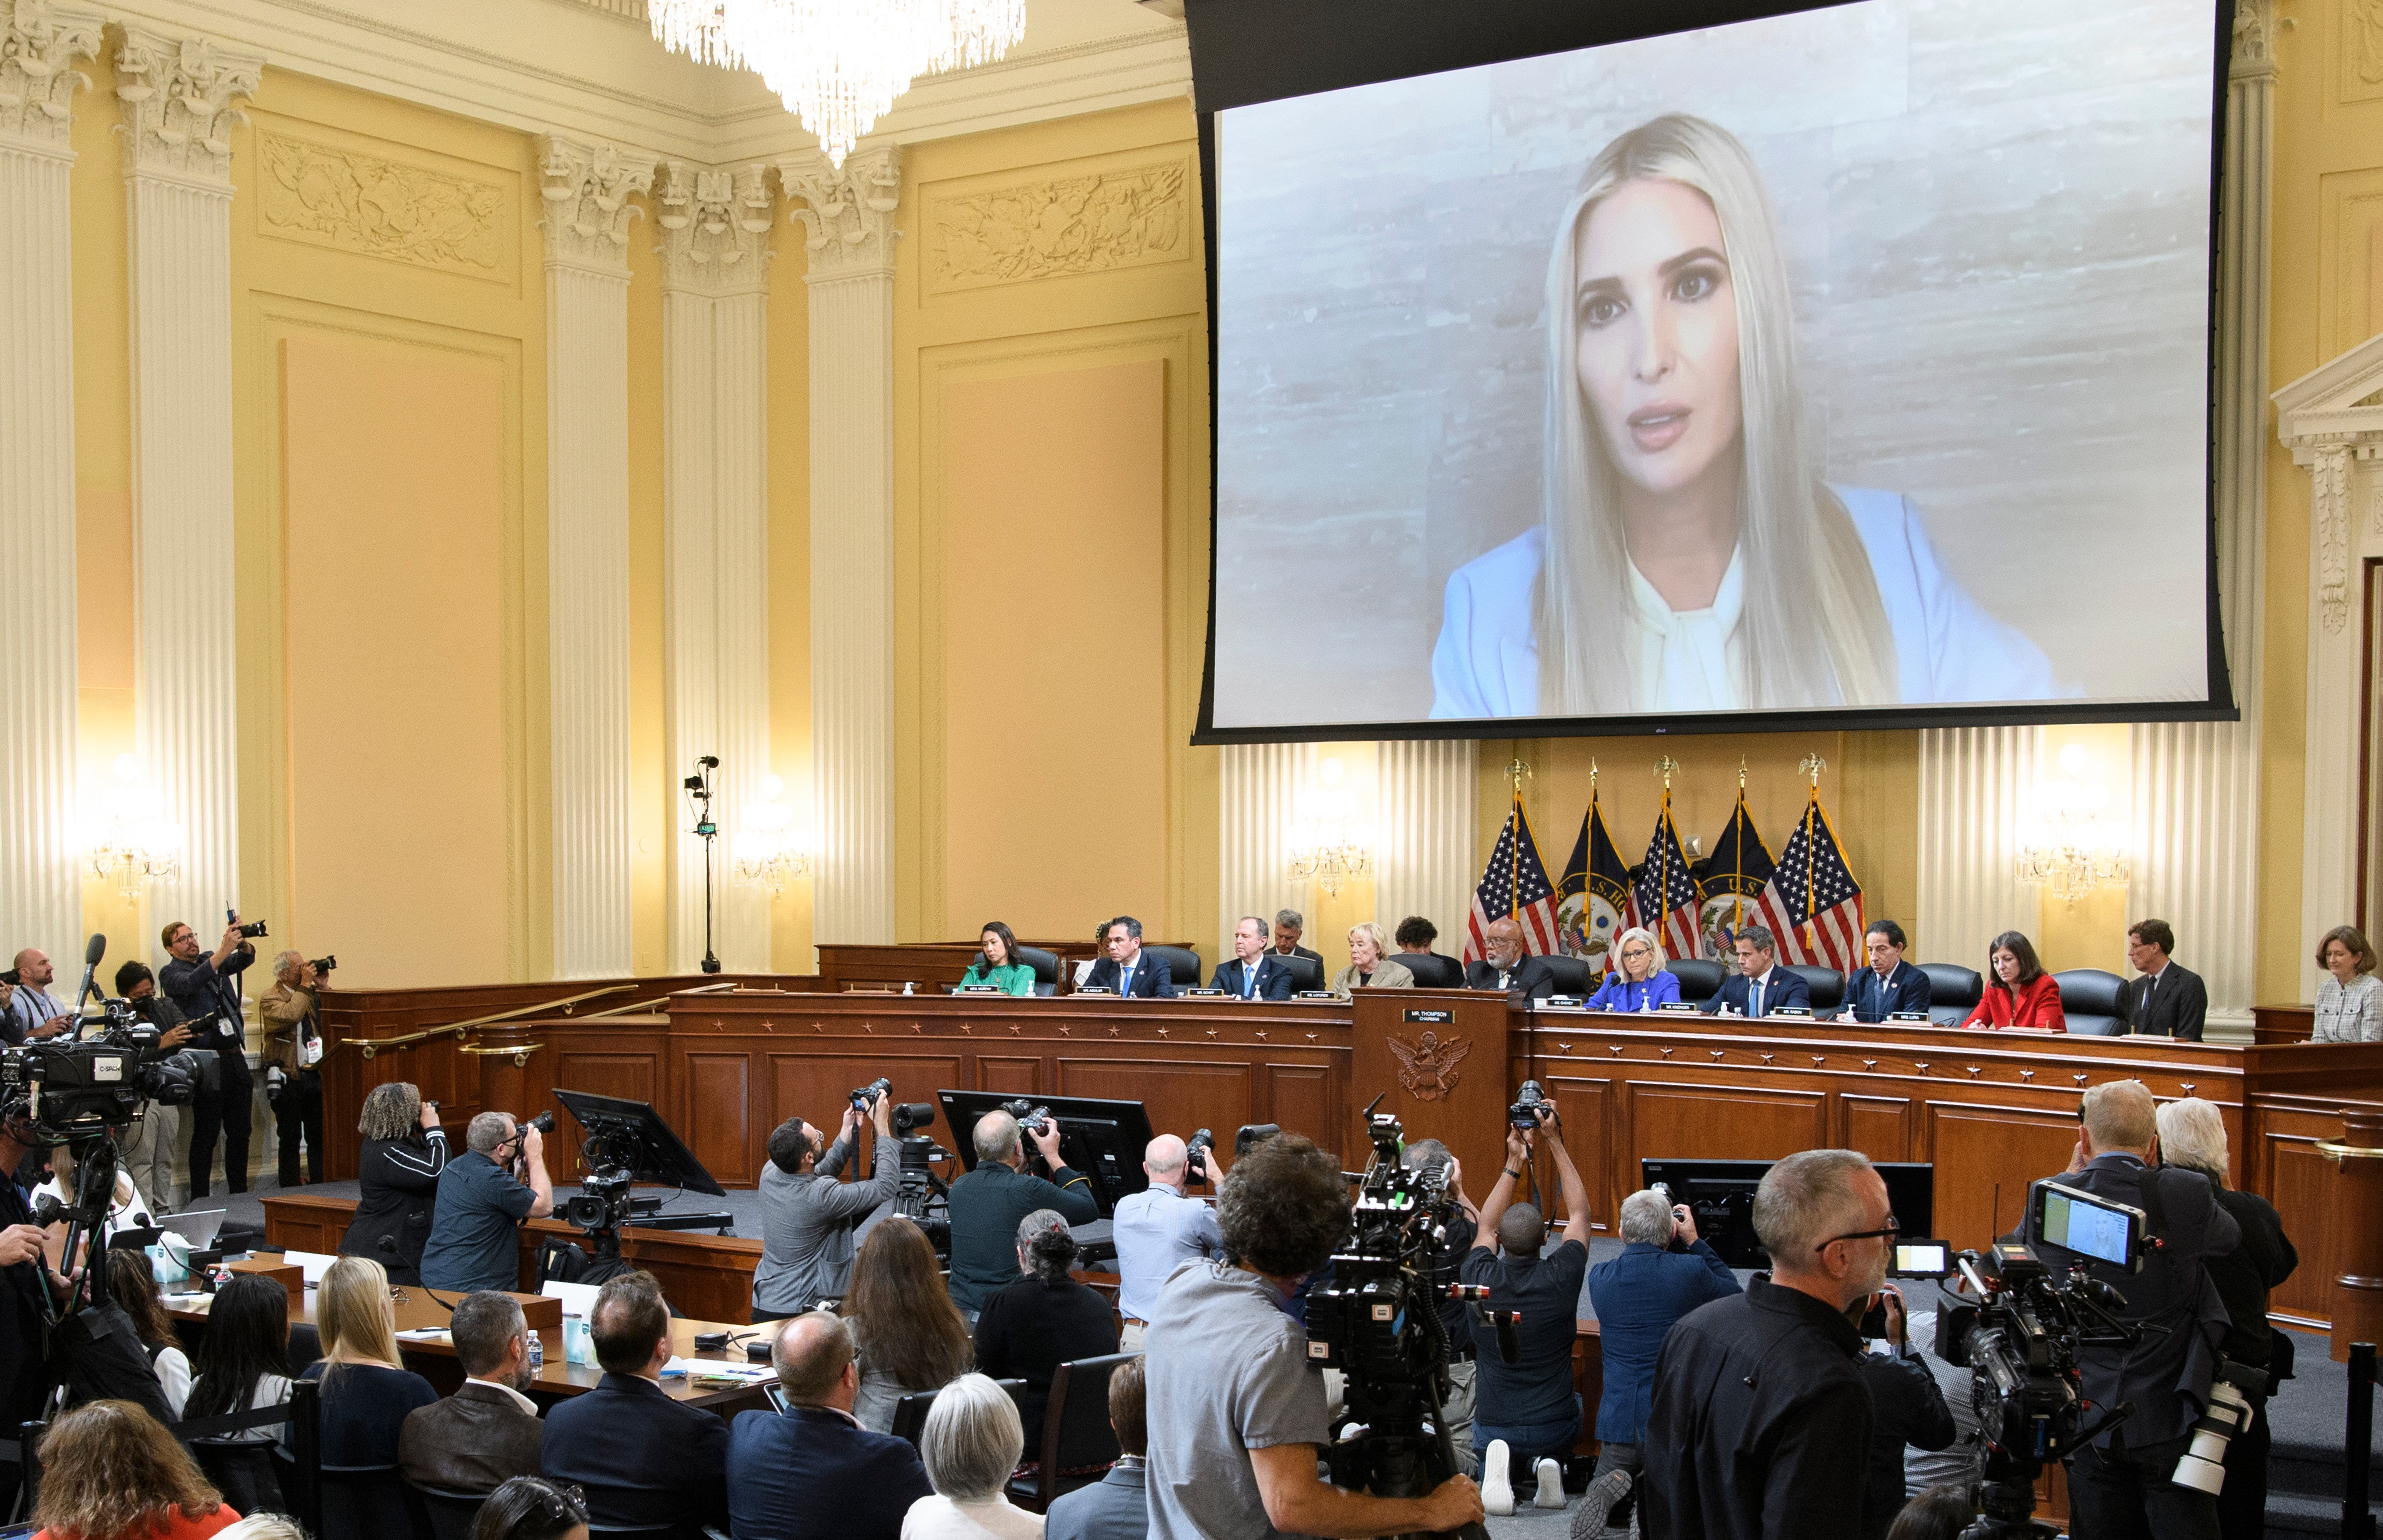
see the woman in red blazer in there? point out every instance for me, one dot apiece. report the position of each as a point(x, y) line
point(2020, 993)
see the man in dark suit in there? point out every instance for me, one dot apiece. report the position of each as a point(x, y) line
point(2119, 1485)
point(1415, 936)
point(1508, 969)
point(1289, 925)
point(1889, 984)
point(1253, 974)
point(1118, 1506)
point(488, 1432)
point(1761, 985)
point(1125, 969)
point(641, 1458)
point(812, 1472)
point(2168, 1001)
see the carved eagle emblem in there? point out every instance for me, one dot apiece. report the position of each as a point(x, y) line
point(1427, 1068)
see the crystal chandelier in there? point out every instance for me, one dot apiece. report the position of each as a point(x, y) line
point(2070, 846)
point(1329, 845)
point(839, 63)
point(129, 837)
point(767, 851)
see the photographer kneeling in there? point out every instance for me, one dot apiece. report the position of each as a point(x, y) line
point(294, 1054)
point(1236, 1415)
point(809, 1219)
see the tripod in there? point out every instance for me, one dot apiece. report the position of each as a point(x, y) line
point(698, 797)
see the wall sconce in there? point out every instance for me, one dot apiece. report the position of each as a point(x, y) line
point(2068, 844)
point(767, 851)
point(1329, 845)
point(128, 838)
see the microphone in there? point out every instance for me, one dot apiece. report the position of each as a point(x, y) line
point(92, 952)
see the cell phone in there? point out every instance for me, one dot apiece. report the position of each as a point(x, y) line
point(1920, 1259)
point(2075, 1220)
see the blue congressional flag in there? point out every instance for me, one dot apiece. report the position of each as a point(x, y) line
point(1735, 888)
point(1595, 892)
point(1815, 893)
point(1516, 882)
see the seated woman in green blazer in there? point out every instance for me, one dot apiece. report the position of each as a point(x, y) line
point(997, 964)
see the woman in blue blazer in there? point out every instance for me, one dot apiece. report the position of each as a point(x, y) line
point(1636, 982)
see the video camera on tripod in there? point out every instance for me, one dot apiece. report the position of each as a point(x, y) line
point(626, 1143)
point(920, 1196)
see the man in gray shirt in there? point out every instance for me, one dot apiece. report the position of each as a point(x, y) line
point(1235, 1413)
point(808, 1219)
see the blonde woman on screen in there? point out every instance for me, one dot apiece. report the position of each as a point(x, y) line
point(1689, 558)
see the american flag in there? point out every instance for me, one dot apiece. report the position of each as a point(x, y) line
point(1516, 882)
point(1662, 894)
point(1815, 892)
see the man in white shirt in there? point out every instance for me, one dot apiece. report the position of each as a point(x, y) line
point(33, 1011)
point(1158, 1229)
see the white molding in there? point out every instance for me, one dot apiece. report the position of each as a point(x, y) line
point(1257, 796)
point(182, 97)
point(846, 214)
point(38, 45)
point(1974, 782)
point(1429, 790)
point(714, 227)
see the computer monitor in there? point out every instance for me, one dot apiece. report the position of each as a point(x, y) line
point(636, 1137)
point(1103, 1139)
point(1721, 1194)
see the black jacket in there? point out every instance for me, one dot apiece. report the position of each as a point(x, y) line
point(1759, 1428)
point(806, 1474)
point(2177, 1008)
point(399, 1184)
point(25, 1374)
point(641, 1458)
point(1030, 1328)
point(1275, 979)
point(987, 1203)
point(1529, 976)
point(1906, 1406)
point(1150, 978)
point(199, 989)
point(2264, 1258)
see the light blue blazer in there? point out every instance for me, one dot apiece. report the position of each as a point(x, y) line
point(1947, 648)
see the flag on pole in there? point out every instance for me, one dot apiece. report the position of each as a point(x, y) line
point(1595, 892)
point(1736, 888)
point(1662, 894)
point(1815, 893)
point(1514, 882)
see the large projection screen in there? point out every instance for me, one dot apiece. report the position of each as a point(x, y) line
point(1849, 365)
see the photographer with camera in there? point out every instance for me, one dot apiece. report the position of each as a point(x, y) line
point(1159, 1228)
point(28, 1256)
point(1528, 1410)
point(987, 1203)
point(1907, 1411)
point(808, 1218)
point(2122, 1484)
point(484, 1194)
point(294, 1052)
point(1455, 1318)
point(151, 1144)
point(205, 988)
point(1235, 1416)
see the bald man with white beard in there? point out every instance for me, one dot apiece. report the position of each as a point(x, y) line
point(1160, 1228)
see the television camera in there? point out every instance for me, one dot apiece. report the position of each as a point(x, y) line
point(1378, 1322)
point(627, 1142)
point(922, 1197)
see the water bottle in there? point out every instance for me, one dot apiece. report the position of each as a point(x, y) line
point(537, 1352)
point(906, 988)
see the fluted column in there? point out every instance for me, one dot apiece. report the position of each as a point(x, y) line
point(1974, 784)
point(585, 189)
point(40, 890)
point(179, 96)
point(847, 217)
point(715, 250)
point(1257, 789)
point(1425, 863)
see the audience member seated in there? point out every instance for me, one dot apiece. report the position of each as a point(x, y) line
point(2168, 1001)
point(1907, 1411)
point(397, 1170)
point(488, 1432)
point(1889, 985)
point(483, 1195)
point(1636, 982)
point(1044, 1320)
point(241, 1363)
point(529, 1508)
point(1159, 1228)
point(1415, 936)
point(1369, 965)
point(1254, 973)
point(1125, 970)
point(997, 966)
point(1116, 1507)
point(2018, 992)
point(987, 1203)
point(133, 1285)
point(126, 1209)
point(366, 1391)
point(1665, 1270)
point(808, 1218)
point(1289, 925)
point(1761, 986)
point(1528, 1410)
point(1507, 968)
point(640, 1456)
point(910, 1338)
point(1939, 1513)
point(812, 1472)
point(2349, 1000)
point(971, 1444)
point(111, 1472)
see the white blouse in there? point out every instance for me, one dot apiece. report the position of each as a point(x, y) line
point(1691, 659)
point(994, 1518)
point(2352, 1015)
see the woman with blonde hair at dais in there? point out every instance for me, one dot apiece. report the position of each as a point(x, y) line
point(1689, 558)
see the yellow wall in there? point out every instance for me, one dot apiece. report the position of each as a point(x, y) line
point(790, 571)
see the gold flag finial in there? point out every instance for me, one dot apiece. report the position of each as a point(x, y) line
point(1667, 766)
point(1741, 775)
point(1812, 765)
point(1592, 776)
point(1517, 772)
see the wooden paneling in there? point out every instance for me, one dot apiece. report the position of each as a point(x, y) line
point(1438, 1059)
point(715, 1117)
point(1880, 1126)
point(2282, 1023)
point(1722, 1124)
point(1180, 1095)
point(1586, 1107)
point(1985, 1158)
point(2300, 1181)
point(1008, 1074)
point(1303, 1096)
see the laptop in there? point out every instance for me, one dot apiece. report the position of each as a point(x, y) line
point(197, 1228)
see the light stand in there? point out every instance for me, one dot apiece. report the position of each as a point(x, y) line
point(698, 801)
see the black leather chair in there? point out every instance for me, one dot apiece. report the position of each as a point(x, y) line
point(1306, 973)
point(1045, 966)
point(1182, 964)
point(1570, 973)
point(1079, 1445)
point(911, 1415)
point(371, 1502)
point(1431, 970)
point(451, 1513)
point(1827, 984)
point(1699, 978)
point(1953, 991)
point(2093, 1001)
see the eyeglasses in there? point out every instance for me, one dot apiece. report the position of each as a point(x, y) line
point(1892, 1229)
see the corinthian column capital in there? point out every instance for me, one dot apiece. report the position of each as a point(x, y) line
point(586, 189)
point(2254, 39)
point(848, 214)
point(180, 97)
point(39, 43)
point(715, 227)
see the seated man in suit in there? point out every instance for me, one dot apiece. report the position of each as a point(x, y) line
point(1762, 986)
point(488, 1432)
point(812, 1472)
point(2168, 1001)
point(1116, 1507)
point(1125, 969)
point(1289, 925)
point(1889, 984)
point(1254, 973)
point(641, 1458)
point(1508, 967)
